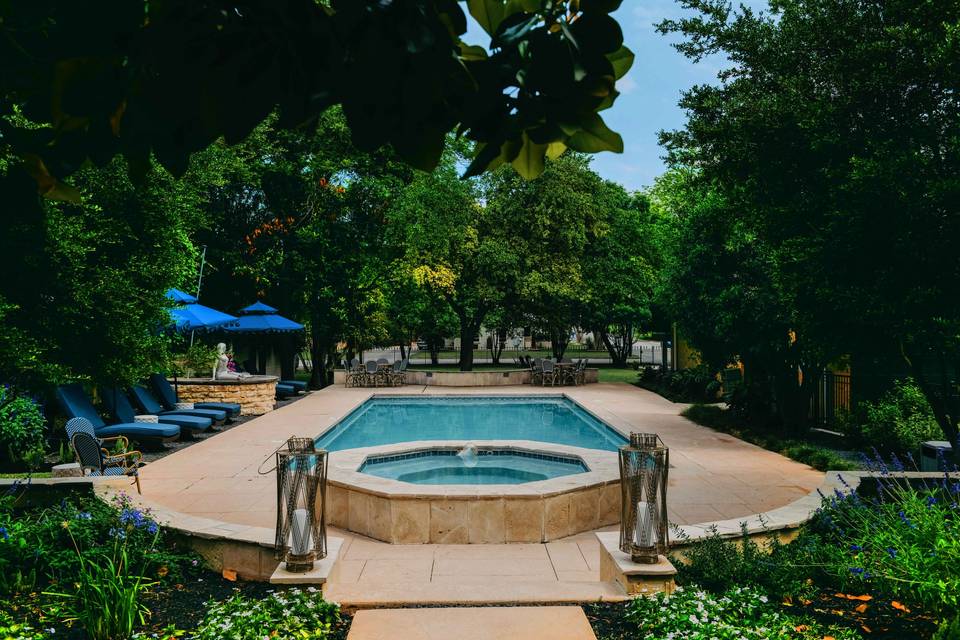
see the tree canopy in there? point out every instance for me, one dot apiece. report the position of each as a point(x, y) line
point(169, 78)
point(822, 218)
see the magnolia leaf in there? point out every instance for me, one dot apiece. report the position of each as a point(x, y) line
point(489, 13)
point(47, 185)
point(529, 162)
point(622, 60)
point(594, 136)
point(472, 52)
point(555, 150)
point(530, 6)
point(603, 6)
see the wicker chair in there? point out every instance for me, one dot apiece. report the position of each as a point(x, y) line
point(81, 425)
point(97, 461)
point(536, 372)
point(548, 372)
point(373, 376)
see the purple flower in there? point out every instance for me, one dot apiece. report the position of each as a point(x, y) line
point(931, 501)
point(857, 571)
point(906, 520)
point(4, 534)
point(856, 548)
point(892, 552)
point(152, 527)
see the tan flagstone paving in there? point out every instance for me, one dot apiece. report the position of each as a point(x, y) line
point(466, 623)
point(713, 477)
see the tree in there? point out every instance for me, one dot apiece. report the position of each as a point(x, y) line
point(170, 78)
point(831, 147)
point(82, 297)
point(621, 267)
point(549, 221)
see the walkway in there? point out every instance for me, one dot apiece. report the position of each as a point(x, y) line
point(713, 477)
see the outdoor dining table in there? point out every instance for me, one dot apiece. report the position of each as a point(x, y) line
point(562, 370)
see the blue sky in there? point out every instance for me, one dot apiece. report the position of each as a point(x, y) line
point(649, 92)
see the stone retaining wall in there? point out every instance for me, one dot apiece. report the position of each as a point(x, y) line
point(502, 378)
point(255, 395)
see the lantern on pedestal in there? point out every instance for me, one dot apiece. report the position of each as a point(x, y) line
point(643, 483)
point(301, 498)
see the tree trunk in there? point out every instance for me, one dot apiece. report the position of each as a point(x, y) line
point(944, 403)
point(318, 354)
point(498, 340)
point(559, 339)
point(468, 330)
point(620, 348)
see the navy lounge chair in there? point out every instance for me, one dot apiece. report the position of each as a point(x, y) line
point(119, 406)
point(300, 387)
point(284, 391)
point(148, 403)
point(168, 396)
point(76, 404)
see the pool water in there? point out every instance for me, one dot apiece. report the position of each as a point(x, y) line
point(489, 467)
point(390, 420)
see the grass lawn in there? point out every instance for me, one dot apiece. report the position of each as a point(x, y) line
point(14, 476)
point(608, 373)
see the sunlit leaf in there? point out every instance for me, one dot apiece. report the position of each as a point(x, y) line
point(530, 161)
point(489, 13)
point(595, 136)
point(622, 60)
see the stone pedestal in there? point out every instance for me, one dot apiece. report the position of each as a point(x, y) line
point(256, 395)
point(636, 579)
point(69, 470)
point(321, 568)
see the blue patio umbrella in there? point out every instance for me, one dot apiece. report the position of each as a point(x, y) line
point(262, 318)
point(193, 316)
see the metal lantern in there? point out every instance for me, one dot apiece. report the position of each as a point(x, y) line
point(301, 499)
point(643, 484)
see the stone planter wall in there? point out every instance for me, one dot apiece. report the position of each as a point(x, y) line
point(501, 378)
point(256, 395)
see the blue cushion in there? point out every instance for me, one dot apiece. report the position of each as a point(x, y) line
point(146, 400)
point(211, 414)
point(161, 387)
point(193, 423)
point(231, 408)
point(137, 430)
point(296, 384)
point(117, 403)
point(76, 404)
point(283, 391)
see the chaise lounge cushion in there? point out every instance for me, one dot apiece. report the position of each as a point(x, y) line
point(168, 396)
point(296, 384)
point(149, 403)
point(76, 404)
point(119, 405)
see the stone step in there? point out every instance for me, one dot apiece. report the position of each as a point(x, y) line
point(472, 623)
point(369, 595)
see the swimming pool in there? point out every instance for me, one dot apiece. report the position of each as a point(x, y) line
point(390, 420)
point(486, 466)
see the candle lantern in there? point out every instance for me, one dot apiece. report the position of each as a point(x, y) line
point(643, 483)
point(301, 499)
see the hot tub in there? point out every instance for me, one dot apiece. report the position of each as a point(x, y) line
point(472, 465)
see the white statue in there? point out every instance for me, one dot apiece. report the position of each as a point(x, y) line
point(221, 370)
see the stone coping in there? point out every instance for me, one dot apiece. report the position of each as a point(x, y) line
point(602, 469)
point(493, 378)
point(236, 381)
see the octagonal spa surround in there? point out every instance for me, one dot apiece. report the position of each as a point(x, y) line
point(536, 511)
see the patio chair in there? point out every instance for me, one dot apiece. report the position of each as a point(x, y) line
point(548, 372)
point(116, 402)
point(399, 374)
point(374, 377)
point(148, 403)
point(76, 425)
point(536, 372)
point(99, 462)
point(163, 390)
point(76, 404)
point(351, 375)
point(581, 372)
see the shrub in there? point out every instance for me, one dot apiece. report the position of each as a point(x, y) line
point(903, 544)
point(716, 563)
point(42, 544)
point(740, 613)
point(697, 384)
point(21, 429)
point(199, 358)
point(949, 630)
point(11, 629)
point(899, 421)
point(287, 614)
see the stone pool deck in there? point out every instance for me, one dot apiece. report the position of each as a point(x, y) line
point(713, 477)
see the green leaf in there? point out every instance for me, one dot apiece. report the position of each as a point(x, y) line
point(489, 13)
point(622, 60)
point(529, 162)
point(472, 52)
point(555, 150)
point(530, 6)
point(594, 136)
point(602, 6)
